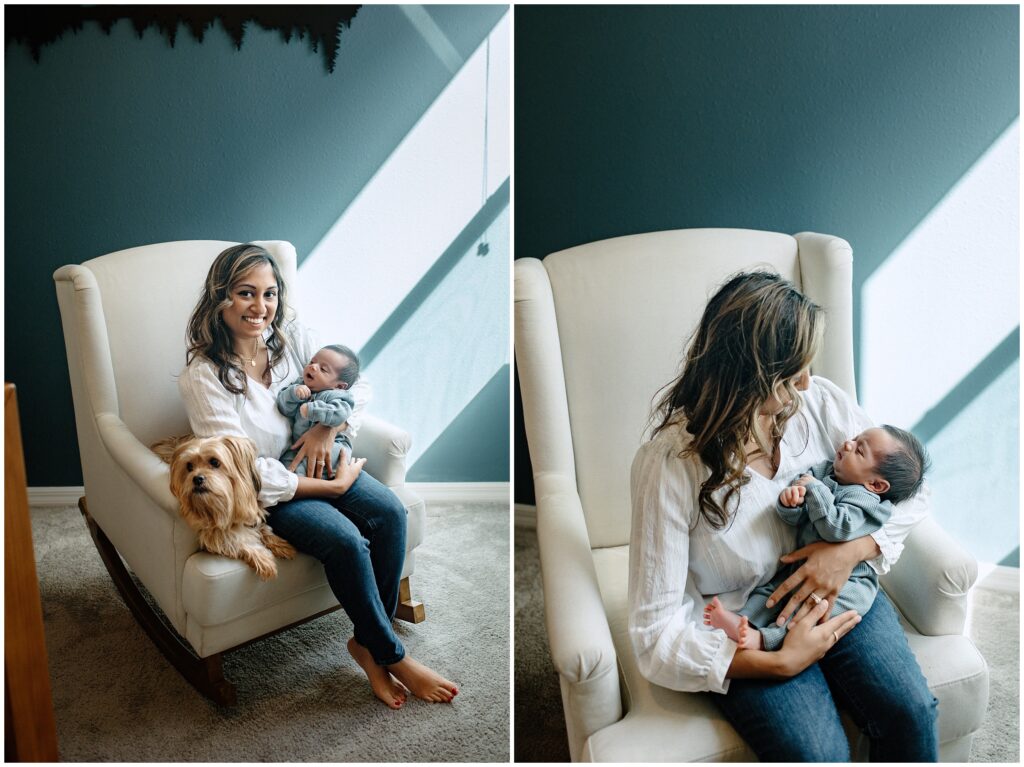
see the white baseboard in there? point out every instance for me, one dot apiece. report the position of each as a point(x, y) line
point(526, 516)
point(54, 496)
point(438, 492)
point(462, 492)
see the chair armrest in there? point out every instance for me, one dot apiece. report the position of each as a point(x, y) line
point(385, 447)
point(578, 631)
point(930, 582)
point(141, 465)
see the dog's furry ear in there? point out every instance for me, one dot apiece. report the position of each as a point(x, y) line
point(243, 450)
point(166, 447)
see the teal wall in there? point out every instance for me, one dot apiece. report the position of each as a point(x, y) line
point(113, 142)
point(851, 120)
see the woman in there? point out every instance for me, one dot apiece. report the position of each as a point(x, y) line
point(242, 349)
point(739, 424)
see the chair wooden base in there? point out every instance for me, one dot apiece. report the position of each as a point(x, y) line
point(409, 610)
point(205, 674)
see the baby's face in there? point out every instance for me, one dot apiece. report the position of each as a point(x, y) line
point(323, 370)
point(857, 458)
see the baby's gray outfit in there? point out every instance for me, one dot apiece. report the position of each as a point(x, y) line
point(834, 513)
point(331, 407)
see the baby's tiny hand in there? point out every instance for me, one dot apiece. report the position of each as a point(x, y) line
point(804, 480)
point(302, 392)
point(792, 496)
point(304, 410)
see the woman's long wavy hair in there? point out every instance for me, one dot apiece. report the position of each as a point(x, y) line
point(757, 334)
point(209, 337)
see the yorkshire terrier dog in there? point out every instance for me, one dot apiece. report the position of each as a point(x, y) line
point(216, 482)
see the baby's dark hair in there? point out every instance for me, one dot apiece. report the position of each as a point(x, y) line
point(905, 467)
point(350, 373)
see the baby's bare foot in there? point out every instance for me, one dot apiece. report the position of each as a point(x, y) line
point(423, 682)
point(735, 626)
point(750, 637)
point(384, 685)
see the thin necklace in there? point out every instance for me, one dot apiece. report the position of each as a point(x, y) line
point(255, 353)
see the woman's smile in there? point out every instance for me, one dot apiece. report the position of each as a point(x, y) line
point(253, 305)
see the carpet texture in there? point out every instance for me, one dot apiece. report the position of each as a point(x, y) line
point(994, 626)
point(300, 696)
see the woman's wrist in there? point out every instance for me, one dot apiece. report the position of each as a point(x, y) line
point(311, 487)
point(762, 664)
point(862, 549)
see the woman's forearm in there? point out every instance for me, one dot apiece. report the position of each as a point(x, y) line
point(309, 487)
point(759, 664)
point(866, 548)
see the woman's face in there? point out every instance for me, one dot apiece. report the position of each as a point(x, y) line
point(253, 303)
point(800, 381)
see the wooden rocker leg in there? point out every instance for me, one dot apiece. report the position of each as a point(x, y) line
point(409, 610)
point(205, 674)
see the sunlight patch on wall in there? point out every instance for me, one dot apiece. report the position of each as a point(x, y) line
point(975, 458)
point(947, 295)
point(449, 348)
point(414, 206)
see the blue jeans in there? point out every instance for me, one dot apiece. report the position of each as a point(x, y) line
point(871, 673)
point(362, 550)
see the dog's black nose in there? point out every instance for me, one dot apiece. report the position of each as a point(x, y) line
point(198, 480)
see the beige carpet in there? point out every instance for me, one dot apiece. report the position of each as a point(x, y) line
point(300, 697)
point(994, 625)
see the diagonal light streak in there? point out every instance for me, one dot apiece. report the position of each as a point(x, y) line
point(947, 295)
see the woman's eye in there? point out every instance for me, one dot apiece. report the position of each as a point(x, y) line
point(215, 463)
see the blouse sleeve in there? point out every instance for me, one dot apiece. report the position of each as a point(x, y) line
point(672, 647)
point(212, 412)
point(307, 343)
point(844, 418)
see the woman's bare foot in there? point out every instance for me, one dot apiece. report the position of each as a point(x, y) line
point(384, 685)
point(423, 682)
point(735, 626)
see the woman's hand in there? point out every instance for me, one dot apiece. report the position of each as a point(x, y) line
point(335, 487)
point(806, 642)
point(345, 477)
point(824, 573)
point(315, 446)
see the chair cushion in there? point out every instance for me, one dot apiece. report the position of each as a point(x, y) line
point(217, 590)
point(665, 725)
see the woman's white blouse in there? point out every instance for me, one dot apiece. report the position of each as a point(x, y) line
point(677, 562)
point(214, 411)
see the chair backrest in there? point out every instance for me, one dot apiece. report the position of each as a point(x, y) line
point(625, 308)
point(132, 309)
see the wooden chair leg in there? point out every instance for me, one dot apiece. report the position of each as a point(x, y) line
point(205, 674)
point(409, 609)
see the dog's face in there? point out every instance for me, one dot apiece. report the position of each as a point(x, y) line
point(216, 482)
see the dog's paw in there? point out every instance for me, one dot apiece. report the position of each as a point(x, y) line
point(262, 561)
point(278, 545)
point(285, 550)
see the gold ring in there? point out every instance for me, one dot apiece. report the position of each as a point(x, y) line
point(815, 597)
point(835, 635)
point(319, 461)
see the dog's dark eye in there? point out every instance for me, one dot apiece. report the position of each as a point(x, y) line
point(188, 467)
point(215, 463)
